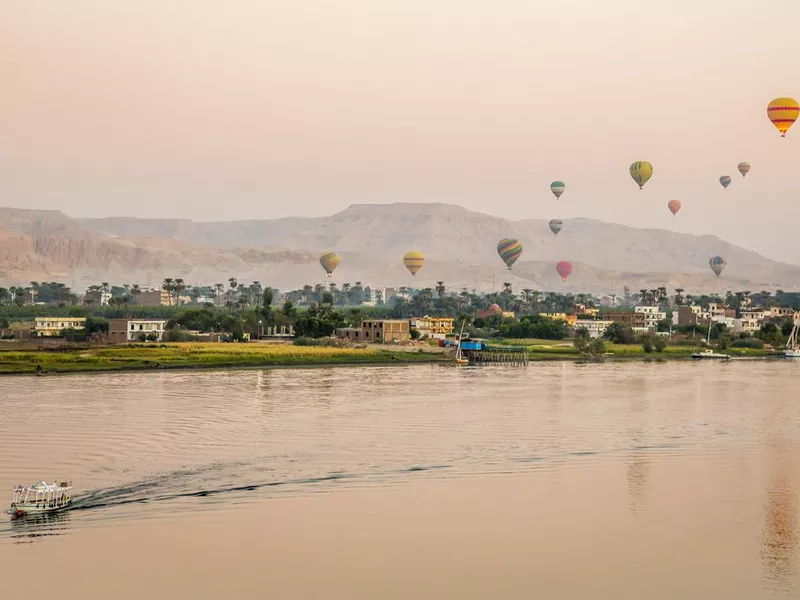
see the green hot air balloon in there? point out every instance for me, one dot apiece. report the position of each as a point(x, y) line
point(509, 250)
point(557, 187)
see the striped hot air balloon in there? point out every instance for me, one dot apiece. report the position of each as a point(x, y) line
point(783, 112)
point(725, 181)
point(329, 261)
point(555, 225)
point(564, 268)
point(674, 206)
point(413, 261)
point(744, 168)
point(717, 264)
point(557, 187)
point(509, 250)
point(641, 172)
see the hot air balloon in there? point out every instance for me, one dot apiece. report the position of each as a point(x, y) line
point(641, 171)
point(509, 250)
point(557, 187)
point(674, 206)
point(717, 264)
point(783, 112)
point(725, 180)
point(744, 168)
point(329, 261)
point(413, 261)
point(564, 268)
point(556, 225)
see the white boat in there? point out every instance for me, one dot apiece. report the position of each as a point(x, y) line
point(41, 498)
point(709, 354)
point(792, 348)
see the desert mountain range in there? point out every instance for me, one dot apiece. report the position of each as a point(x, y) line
point(371, 239)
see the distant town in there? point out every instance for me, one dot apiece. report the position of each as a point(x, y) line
point(357, 314)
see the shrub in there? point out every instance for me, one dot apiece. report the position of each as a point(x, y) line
point(647, 344)
point(748, 343)
point(659, 343)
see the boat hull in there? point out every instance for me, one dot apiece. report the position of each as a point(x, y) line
point(31, 509)
point(710, 357)
point(792, 354)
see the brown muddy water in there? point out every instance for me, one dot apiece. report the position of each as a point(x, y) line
point(636, 480)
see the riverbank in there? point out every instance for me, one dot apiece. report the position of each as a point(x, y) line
point(68, 359)
point(196, 356)
point(565, 350)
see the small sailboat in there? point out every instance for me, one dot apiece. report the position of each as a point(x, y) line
point(460, 360)
point(792, 348)
point(709, 353)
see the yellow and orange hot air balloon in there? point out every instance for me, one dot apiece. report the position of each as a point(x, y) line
point(783, 112)
point(413, 261)
point(329, 261)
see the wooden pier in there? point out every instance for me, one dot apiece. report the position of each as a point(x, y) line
point(499, 355)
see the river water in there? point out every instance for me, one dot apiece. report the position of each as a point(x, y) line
point(559, 480)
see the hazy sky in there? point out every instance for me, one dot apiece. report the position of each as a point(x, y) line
point(226, 110)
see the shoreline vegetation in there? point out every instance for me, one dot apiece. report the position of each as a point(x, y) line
point(157, 356)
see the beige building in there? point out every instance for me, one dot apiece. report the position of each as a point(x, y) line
point(121, 331)
point(434, 327)
point(151, 298)
point(379, 331)
point(386, 331)
point(55, 326)
point(596, 329)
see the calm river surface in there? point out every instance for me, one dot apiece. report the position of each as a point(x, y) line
point(657, 480)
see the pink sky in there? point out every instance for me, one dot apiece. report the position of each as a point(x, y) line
point(216, 111)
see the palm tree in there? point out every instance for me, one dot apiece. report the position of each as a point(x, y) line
point(168, 286)
point(218, 289)
point(256, 290)
point(678, 296)
point(440, 289)
point(178, 287)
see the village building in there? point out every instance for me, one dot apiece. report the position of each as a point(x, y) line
point(56, 326)
point(121, 331)
point(434, 327)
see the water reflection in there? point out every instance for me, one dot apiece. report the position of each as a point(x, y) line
point(29, 528)
point(779, 534)
point(638, 475)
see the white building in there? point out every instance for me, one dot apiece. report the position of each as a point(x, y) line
point(596, 329)
point(753, 319)
point(134, 329)
point(652, 316)
point(97, 297)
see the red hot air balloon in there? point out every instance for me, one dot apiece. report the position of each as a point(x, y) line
point(674, 206)
point(564, 268)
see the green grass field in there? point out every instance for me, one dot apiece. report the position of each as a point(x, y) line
point(189, 355)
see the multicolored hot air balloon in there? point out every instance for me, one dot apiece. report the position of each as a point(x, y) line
point(413, 261)
point(329, 261)
point(564, 268)
point(783, 112)
point(557, 187)
point(725, 180)
point(717, 264)
point(556, 225)
point(674, 206)
point(744, 168)
point(641, 172)
point(509, 250)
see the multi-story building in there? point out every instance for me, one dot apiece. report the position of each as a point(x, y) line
point(685, 315)
point(777, 312)
point(652, 316)
point(55, 326)
point(151, 298)
point(629, 318)
point(386, 330)
point(121, 331)
point(587, 311)
point(753, 319)
point(596, 329)
point(97, 297)
point(434, 327)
